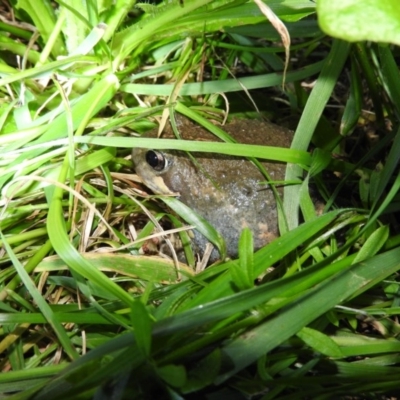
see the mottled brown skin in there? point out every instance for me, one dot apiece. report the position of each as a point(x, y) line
point(226, 189)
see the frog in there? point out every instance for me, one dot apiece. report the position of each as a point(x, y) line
point(229, 192)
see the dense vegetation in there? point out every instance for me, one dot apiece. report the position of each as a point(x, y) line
point(86, 312)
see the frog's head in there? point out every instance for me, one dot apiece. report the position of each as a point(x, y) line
point(152, 166)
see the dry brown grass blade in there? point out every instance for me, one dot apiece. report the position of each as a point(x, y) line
point(281, 29)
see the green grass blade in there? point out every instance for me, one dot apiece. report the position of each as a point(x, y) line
point(201, 224)
point(43, 16)
point(309, 119)
point(245, 150)
point(227, 85)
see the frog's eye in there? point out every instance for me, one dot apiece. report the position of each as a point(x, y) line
point(156, 160)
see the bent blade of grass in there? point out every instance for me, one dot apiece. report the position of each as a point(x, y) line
point(58, 236)
point(152, 269)
point(246, 349)
point(56, 226)
point(235, 149)
point(18, 49)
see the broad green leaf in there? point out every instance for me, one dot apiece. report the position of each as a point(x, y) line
point(355, 20)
